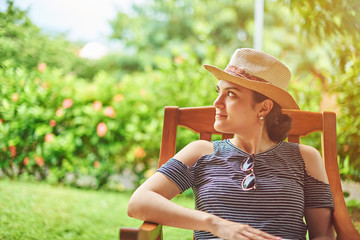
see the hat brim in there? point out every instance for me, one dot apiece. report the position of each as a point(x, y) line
point(280, 96)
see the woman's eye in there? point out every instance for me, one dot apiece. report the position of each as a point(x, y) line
point(230, 94)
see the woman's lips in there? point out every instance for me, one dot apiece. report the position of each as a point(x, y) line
point(219, 115)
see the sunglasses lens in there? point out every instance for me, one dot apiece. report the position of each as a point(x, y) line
point(247, 164)
point(249, 182)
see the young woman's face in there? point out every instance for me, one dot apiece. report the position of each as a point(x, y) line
point(235, 111)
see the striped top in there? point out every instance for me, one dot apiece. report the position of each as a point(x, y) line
point(277, 206)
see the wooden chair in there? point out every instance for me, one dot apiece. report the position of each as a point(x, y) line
point(201, 119)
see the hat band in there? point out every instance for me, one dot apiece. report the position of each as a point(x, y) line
point(233, 70)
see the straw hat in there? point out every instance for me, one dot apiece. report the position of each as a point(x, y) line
point(259, 72)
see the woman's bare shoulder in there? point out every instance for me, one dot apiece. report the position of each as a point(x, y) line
point(313, 162)
point(193, 151)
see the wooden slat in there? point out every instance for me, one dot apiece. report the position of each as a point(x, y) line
point(342, 221)
point(205, 117)
point(205, 136)
point(227, 136)
point(168, 140)
point(150, 231)
point(301, 120)
point(147, 231)
point(129, 233)
point(293, 139)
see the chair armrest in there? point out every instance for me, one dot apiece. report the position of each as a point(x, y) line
point(345, 229)
point(147, 231)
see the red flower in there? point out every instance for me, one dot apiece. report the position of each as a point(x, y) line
point(26, 161)
point(178, 60)
point(15, 97)
point(41, 67)
point(52, 123)
point(49, 137)
point(12, 150)
point(59, 112)
point(110, 112)
point(39, 161)
point(143, 92)
point(67, 103)
point(1, 121)
point(101, 129)
point(97, 164)
point(97, 105)
point(45, 85)
point(139, 152)
point(118, 97)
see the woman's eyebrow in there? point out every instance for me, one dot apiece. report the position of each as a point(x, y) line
point(230, 88)
point(233, 88)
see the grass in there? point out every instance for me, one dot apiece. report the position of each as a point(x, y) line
point(37, 211)
point(353, 207)
point(41, 211)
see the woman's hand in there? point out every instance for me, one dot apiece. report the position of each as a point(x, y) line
point(228, 230)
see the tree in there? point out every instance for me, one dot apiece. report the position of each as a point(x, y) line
point(336, 24)
point(24, 45)
point(164, 27)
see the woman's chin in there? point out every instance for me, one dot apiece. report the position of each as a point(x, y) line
point(221, 127)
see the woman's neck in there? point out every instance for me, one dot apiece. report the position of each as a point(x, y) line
point(253, 144)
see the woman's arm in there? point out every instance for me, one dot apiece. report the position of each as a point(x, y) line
point(319, 223)
point(151, 202)
point(319, 220)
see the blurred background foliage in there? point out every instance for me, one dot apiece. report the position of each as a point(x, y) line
point(98, 123)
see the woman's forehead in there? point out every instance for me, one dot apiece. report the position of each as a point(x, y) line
point(223, 84)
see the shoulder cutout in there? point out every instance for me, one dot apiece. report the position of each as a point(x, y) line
point(193, 151)
point(313, 162)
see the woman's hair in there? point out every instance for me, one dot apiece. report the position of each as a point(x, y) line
point(277, 124)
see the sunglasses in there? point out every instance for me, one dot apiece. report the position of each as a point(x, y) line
point(249, 182)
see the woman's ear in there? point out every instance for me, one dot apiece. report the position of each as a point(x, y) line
point(265, 107)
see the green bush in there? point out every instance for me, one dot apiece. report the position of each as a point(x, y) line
point(346, 88)
point(104, 133)
point(53, 124)
point(49, 125)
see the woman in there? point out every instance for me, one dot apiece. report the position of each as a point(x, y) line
point(253, 186)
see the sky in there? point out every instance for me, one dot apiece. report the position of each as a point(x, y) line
point(85, 21)
point(81, 20)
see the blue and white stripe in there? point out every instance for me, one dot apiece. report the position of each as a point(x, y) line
point(284, 189)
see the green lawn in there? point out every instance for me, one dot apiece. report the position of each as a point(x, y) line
point(41, 211)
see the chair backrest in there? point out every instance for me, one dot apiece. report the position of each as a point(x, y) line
point(201, 120)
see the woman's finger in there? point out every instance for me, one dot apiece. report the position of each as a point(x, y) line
point(253, 233)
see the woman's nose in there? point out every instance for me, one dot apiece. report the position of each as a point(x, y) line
point(219, 102)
